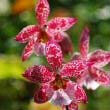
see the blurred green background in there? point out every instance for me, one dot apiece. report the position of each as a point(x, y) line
point(17, 93)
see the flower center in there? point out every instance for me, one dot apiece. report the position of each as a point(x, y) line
point(44, 37)
point(59, 82)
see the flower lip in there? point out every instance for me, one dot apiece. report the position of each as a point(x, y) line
point(60, 98)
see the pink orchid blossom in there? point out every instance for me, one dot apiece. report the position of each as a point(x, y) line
point(92, 75)
point(36, 36)
point(58, 90)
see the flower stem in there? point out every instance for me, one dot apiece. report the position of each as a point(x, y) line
point(67, 108)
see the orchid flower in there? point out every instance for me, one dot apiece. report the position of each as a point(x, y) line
point(93, 74)
point(58, 90)
point(36, 36)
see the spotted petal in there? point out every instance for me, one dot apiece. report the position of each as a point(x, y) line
point(84, 42)
point(54, 54)
point(100, 76)
point(100, 58)
point(42, 11)
point(28, 50)
point(59, 24)
point(75, 92)
point(44, 94)
point(27, 33)
point(58, 37)
point(76, 69)
point(79, 94)
point(39, 74)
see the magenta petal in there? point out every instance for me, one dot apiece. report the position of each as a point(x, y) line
point(44, 94)
point(99, 58)
point(28, 50)
point(100, 76)
point(54, 54)
point(39, 74)
point(66, 41)
point(84, 42)
point(27, 33)
point(60, 24)
point(79, 94)
point(58, 37)
point(42, 11)
point(76, 68)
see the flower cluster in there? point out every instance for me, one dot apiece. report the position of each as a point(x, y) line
point(61, 82)
point(38, 35)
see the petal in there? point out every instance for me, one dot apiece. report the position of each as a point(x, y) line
point(42, 11)
point(39, 49)
point(60, 98)
point(28, 50)
point(54, 54)
point(39, 74)
point(27, 33)
point(100, 58)
point(44, 94)
point(84, 42)
point(58, 37)
point(75, 92)
point(89, 83)
point(79, 94)
point(100, 76)
point(59, 24)
point(66, 41)
point(76, 68)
